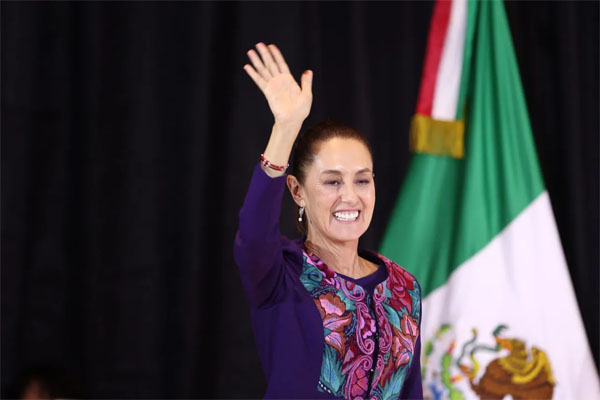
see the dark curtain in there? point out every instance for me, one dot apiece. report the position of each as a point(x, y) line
point(129, 133)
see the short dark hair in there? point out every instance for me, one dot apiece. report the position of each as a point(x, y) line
point(304, 151)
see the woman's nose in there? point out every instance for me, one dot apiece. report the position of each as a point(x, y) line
point(348, 194)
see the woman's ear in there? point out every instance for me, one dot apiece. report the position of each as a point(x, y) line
point(295, 190)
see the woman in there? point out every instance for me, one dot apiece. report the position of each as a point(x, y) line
point(330, 320)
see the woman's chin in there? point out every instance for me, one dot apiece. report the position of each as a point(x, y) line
point(346, 232)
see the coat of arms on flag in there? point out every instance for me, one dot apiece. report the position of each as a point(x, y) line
point(493, 367)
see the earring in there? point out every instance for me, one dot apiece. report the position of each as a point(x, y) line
point(300, 211)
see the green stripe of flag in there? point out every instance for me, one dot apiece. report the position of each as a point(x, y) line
point(450, 209)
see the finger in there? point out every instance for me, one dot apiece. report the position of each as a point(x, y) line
point(306, 81)
point(258, 65)
point(279, 59)
point(268, 59)
point(260, 82)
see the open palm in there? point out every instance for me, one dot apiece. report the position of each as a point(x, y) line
point(289, 102)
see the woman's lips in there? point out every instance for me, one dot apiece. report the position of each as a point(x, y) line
point(346, 216)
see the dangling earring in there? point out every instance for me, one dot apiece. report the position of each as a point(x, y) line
point(300, 211)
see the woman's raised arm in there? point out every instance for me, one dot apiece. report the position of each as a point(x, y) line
point(289, 102)
point(259, 247)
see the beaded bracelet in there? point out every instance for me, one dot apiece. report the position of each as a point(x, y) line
point(268, 164)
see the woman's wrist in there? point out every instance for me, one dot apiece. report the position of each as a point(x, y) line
point(280, 143)
point(271, 169)
point(271, 172)
point(287, 130)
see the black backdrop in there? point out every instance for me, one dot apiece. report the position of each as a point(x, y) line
point(129, 132)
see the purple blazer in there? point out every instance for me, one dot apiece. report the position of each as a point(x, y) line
point(320, 334)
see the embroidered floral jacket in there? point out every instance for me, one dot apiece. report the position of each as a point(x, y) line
point(318, 334)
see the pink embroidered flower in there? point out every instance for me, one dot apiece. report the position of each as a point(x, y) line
point(360, 384)
point(409, 326)
point(335, 318)
point(357, 383)
point(337, 338)
point(331, 304)
point(403, 342)
point(400, 282)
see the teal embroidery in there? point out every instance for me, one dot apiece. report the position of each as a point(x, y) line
point(356, 323)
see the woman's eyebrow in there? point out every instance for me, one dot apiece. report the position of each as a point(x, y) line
point(337, 172)
point(331, 171)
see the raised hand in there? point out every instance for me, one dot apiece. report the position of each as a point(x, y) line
point(289, 103)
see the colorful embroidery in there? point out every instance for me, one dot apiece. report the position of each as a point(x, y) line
point(356, 323)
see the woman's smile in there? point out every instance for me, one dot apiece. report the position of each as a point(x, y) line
point(346, 215)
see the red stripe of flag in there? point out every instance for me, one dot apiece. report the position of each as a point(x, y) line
point(435, 44)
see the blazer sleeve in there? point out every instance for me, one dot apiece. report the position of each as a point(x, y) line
point(258, 243)
point(413, 385)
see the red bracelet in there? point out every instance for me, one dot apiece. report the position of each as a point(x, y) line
point(268, 164)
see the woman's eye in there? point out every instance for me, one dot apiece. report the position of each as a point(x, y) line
point(363, 182)
point(333, 183)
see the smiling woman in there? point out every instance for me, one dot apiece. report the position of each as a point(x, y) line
point(331, 320)
point(332, 163)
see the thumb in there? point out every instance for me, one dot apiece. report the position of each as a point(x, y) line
point(306, 81)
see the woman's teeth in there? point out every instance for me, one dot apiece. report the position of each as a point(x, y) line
point(346, 215)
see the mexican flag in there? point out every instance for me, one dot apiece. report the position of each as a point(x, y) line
point(474, 223)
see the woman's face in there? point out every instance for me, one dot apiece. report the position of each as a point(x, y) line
point(339, 191)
